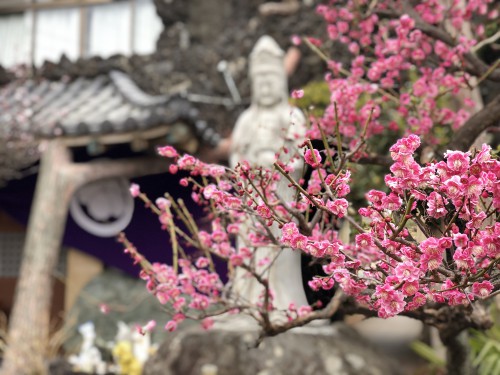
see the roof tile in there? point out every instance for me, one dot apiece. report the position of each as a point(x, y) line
point(108, 103)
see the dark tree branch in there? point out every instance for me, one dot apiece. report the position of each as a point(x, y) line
point(333, 306)
point(449, 320)
point(488, 117)
point(458, 360)
point(382, 160)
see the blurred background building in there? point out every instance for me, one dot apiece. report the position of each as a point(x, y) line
point(34, 31)
point(108, 72)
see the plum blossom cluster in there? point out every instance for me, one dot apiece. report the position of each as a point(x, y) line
point(391, 47)
point(190, 290)
point(434, 237)
point(191, 287)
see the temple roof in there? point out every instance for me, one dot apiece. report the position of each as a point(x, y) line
point(106, 104)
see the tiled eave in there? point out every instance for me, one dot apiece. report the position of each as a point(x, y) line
point(110, 107)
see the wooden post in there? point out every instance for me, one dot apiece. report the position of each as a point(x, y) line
point(29, 324)
point(58, 179)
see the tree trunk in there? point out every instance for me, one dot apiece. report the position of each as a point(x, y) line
point(458, 361)
point(58, 179)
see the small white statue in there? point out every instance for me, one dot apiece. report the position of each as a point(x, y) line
point(261, 131)
point(124, 332)
point(89, 359)
point(141, 344)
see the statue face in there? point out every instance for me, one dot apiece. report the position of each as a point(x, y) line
point(267, 88)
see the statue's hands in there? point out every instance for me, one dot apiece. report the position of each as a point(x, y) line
point(219, 153)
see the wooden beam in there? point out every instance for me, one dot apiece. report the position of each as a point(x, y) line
point(34, 25)
point(15, 7)
point(84, 29)
point(133, 15)
point(178, 128)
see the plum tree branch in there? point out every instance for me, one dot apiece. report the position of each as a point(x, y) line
point(489, 116)
point(333, 306)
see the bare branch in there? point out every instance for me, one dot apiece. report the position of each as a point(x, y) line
point(489, 116)
point(326, 313)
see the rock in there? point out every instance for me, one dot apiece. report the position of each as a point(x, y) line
point(336, 350)
point(59, 366)
point(5, 76)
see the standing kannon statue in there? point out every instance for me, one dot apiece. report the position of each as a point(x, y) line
point(268, 126)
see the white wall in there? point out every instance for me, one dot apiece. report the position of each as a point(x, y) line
point(148, 27)
point(109, 29)
point(14, 39)
point(58, 31)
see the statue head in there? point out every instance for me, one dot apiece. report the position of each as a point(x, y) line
point(267, 72)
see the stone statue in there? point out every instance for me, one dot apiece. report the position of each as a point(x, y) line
point(261, 131)
point(89, 359)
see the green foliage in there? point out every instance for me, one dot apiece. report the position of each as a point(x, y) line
point(496, 152)
point(491, 28)
point(427, 352)
point(486, 351)
point(315, 100)
point(486, 348)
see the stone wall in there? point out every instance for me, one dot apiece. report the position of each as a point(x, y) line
point(335, 350)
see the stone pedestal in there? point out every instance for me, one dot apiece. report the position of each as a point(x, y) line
point(336, 350)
